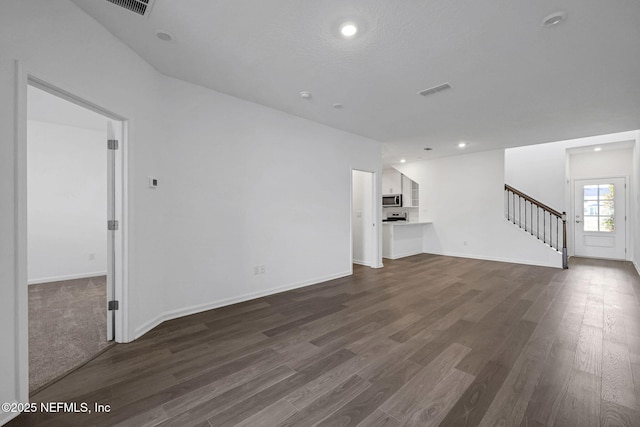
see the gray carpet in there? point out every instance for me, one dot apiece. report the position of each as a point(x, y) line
point(67, 326)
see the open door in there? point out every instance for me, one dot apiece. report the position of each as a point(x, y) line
point(363, 219)
point(112, 145)
point(74, 187)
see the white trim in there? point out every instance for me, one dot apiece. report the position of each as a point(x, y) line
point(66, 277)
point(5, 417)
point(502, 259)
point(635, 264)
point(21, 272)
point(174, 314)
point(405, 254)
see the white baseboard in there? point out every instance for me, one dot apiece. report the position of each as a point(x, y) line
point(5, 417)
point(405, 254)
point(355, 261)
point(174, 314)
point(66, 277)
point(635, 264)
point(501, 259)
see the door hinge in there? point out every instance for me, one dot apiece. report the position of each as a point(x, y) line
point(112, 225)
point(112, 144)
point(113, 305)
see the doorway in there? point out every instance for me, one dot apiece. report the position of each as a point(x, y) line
point(600, 227)
point(71, 259)
point(363, 230)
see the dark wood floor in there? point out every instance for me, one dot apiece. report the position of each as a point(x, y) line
point(428, 340)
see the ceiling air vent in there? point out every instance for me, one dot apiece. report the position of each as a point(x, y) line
point(137, 6)
point(435, 89)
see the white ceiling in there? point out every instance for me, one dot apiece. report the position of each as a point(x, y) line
point(514, 81)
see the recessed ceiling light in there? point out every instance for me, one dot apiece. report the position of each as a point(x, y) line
point(337, 106)
point(597, 149)
point(403, 160)
point(462, 145)
point(305, 94)
point(164, 36)
point(554, 19)
point(428, 148)
point(348, 29)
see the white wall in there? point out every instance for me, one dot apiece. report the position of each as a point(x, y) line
point(602, 164)
point(543, 171)
point(464, 198)
point(57, 42)
point(67, 202)
point(240, 184)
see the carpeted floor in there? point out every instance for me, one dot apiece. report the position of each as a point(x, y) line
point(67, 326)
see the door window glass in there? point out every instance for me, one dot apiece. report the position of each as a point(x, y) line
point(599, 208)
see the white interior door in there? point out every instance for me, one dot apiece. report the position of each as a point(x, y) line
point(600, 218)
point(363, 219)
point(111, 191)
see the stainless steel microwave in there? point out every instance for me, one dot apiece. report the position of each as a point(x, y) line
point(392, 200)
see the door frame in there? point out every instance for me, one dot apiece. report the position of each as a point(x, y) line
point(377, 231)
point(24, 78)
point(627, 234)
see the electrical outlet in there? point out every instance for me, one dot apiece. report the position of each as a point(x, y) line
point(92, 256)
point(464, 243)
point(263, 269)
point(256, 270)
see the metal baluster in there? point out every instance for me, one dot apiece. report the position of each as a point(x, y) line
point(544, 227)
point(507, 194)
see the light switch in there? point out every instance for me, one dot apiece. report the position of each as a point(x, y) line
point(153, 182)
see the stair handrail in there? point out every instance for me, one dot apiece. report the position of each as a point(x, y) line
point(534, 201)
point(560, 215)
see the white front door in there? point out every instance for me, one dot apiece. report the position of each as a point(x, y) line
point(600, 218)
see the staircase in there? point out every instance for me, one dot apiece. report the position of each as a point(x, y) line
point(537, 219)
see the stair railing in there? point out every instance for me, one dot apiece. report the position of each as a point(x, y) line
point(538, 219)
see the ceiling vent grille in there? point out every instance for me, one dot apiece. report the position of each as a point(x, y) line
point(138, 6)
point(435, 89)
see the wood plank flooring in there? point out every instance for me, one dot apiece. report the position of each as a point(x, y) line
point(425, 341)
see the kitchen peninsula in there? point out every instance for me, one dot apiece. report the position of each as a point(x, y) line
point(402, 238)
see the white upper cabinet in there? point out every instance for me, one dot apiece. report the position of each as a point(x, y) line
point(406, 192)
point(391, 181)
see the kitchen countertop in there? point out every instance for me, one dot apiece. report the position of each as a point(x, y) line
point(406, 222)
